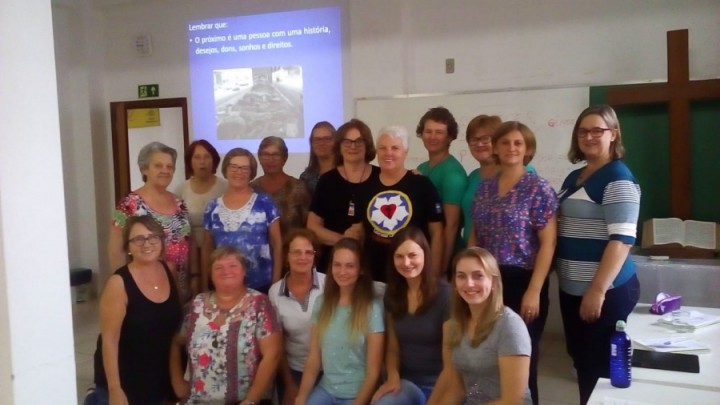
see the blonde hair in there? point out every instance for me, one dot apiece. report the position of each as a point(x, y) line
point(460, 313)
point(362, 294)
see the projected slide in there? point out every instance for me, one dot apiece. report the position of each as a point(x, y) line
point(268, 74)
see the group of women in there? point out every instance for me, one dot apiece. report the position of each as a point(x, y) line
point(220, 245)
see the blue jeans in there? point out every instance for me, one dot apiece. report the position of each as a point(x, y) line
point(409, 394)
point(589, 343)
point(318, 396)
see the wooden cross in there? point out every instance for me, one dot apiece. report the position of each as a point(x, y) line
point(678, 92)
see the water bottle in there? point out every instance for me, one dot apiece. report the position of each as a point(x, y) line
point(620, 357)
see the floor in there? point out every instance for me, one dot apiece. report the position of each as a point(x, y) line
point(557, 386)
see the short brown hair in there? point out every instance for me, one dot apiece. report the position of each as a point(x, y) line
point(482, 121)
point(235, 152)
point(527, 134)
point(149, 222)
point(303, 233)
point(604, 111)
point(442, 115)
point(274, 141)
point(225, 251)
point(208, 147)
point(365, 134)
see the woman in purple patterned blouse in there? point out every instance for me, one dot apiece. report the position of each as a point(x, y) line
point(514, 217)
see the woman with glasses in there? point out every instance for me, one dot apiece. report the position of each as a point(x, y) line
point(157, 165)
point(322, 154)
point(514, 218)
point(139, 314)
point(293, 298)
point(335, 203)
point(245, 219)
point(290, 194)
point(479, 138)
point(597, 224)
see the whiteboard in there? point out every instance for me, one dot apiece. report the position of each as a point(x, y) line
point(550, 114)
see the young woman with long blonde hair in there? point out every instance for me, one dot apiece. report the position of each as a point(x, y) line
point(486, 346)
point(347, 334)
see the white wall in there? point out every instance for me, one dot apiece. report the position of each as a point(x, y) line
point(393, 47)
point(36, 347)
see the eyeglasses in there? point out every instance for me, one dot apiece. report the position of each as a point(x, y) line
point(352, 142)
point(483, 140)
point(140, 240)
point(322, 139)
point(438, 132)
point(238, 168)
point(595, 132)
point(268, 156)
point(300, 252)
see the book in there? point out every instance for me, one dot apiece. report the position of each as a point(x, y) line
point(676, 232)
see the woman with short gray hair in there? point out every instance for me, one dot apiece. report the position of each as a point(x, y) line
point(398, 198)
point(156, 162)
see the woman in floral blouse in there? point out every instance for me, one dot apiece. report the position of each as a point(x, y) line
point(231, 337)
point(157, 165)
point(514, 217)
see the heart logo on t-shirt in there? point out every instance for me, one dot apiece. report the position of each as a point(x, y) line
point(388, 210)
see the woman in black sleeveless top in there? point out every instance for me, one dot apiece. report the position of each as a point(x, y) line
point(139, 313)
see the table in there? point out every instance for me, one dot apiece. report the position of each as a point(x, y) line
point(697, 280)
point(640, 325)
point(650, 393)
point(667, 387)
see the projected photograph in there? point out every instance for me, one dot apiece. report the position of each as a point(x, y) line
point(252, 103)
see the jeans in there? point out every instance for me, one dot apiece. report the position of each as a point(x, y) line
point(589, 343)
point(409, 394)
point(515, 282)
point(318, 396)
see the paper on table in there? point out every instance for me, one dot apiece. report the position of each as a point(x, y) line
point(692, 319)
point(674, 344)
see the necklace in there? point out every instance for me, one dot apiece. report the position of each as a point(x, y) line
point(362, 175)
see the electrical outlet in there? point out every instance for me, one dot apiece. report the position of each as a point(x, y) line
point(450, 65)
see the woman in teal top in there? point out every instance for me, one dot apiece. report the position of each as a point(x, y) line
point(478, 135)
point(348, 334)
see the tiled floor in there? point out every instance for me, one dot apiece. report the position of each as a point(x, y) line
point(557, 386)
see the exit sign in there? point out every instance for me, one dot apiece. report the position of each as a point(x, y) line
point(148, 90)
